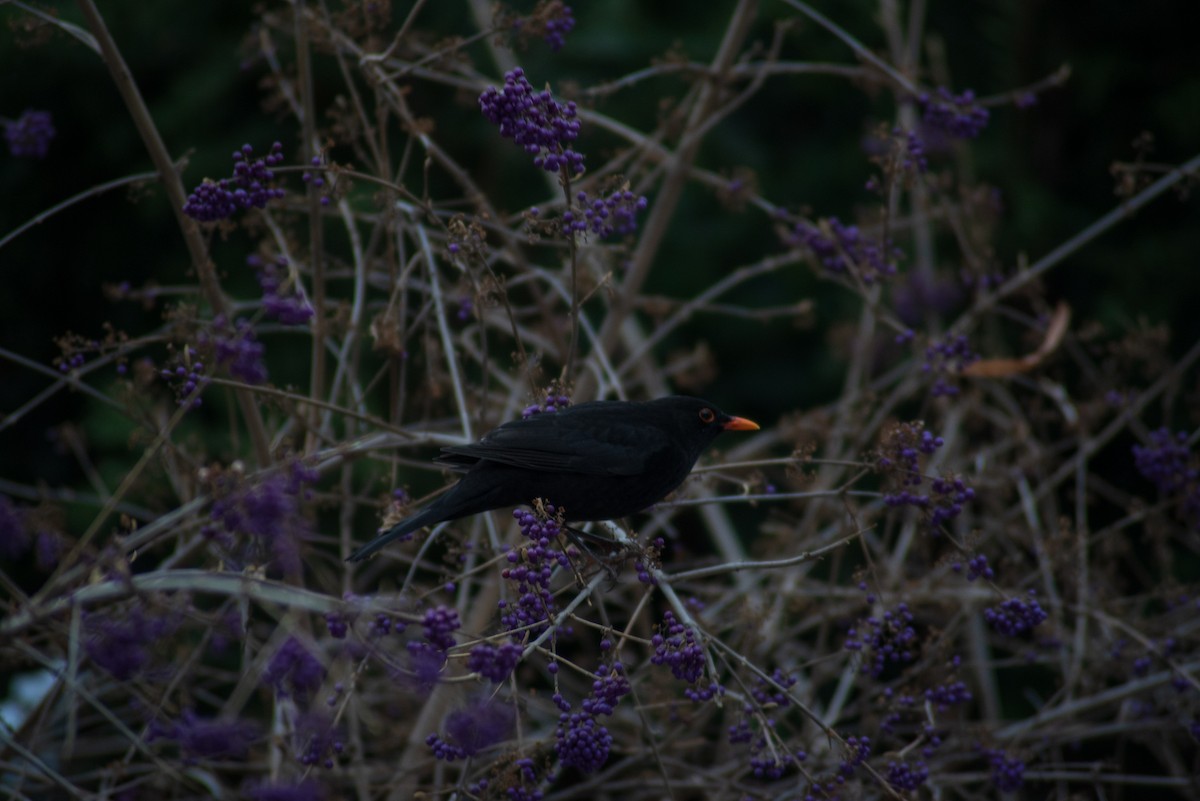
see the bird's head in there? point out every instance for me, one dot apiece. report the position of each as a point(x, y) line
point(698, 421)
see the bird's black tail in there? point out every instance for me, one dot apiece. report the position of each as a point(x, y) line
point(469, 496)
point(427, 516)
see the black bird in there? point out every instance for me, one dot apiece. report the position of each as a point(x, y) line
point(597, 461)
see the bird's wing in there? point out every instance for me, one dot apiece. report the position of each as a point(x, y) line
point(606, 447)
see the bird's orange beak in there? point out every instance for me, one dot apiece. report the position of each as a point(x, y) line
point(740, 424)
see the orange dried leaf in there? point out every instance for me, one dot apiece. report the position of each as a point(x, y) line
point(1002, 368)
point(999, 368)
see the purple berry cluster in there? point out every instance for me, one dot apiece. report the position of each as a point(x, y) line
point(947, 695)
point(249, 187)
point(74, 361)
point(608, 688)
point(845, 249)
point(957, 115)
point(741, 732)
point(552, 20)
point(267, 514)
point(315, 178)
point(900, 456)
point(1168, 463)
point(1008, 773)
point(914, 159)
point(555, 400)
point(427, 657)
point(766, 693)
point(466, 241)
point(769, 757)
point(537, 122)
point(384, 624)
point(237, 348)
point(472, 729)
point(206, 738)
point(1014, 616)
point(978, 567)
point(1141, 665)
point(651, 559)
point(439, 625)
point(884, 640)
point(293, 671)
point(675, 646)
point(902, 155)
point(858, 751)
point(947, 496)
point(466, 307)
point(122, 645)
point(526, 786)
point(902, 449)
point(531, 568)
point(948, 355)
point(186, 377)
point(604, 216)
point(979, 279)
point(281, 301)
point(1118, 399)
point(907, 776)
point(494, 663)
point(771, 764)
point(75, 349)
point(337, 624)
point(29, 135)
point(904, 703)
point(581, 741)
point(317, 739)
point(559, 23)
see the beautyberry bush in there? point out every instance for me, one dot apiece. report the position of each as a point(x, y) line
point(958, 560)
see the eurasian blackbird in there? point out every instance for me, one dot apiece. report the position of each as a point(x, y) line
point(596, 461)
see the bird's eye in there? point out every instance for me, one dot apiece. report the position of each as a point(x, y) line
point(706, 415)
